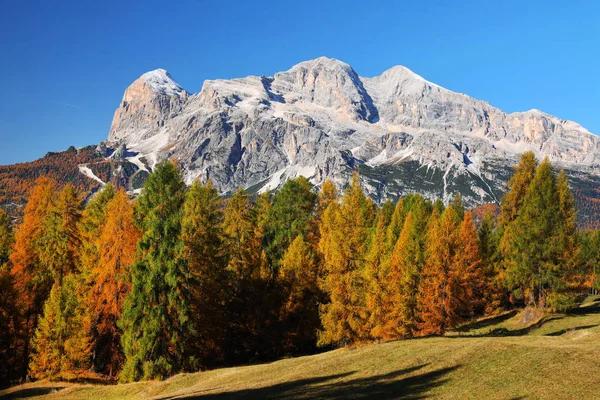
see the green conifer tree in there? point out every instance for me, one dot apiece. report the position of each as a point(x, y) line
point(156, 316)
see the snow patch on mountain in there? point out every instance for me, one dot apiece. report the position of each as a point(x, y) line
point(161, 81)
point(85, 170)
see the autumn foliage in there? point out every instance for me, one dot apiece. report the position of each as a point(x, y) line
point(181, 279)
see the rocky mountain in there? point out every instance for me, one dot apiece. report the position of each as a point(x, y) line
point(320, 119)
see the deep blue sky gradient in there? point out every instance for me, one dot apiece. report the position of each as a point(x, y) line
point(64, 67)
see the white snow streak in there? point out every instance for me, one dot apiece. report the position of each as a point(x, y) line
point(84, 169)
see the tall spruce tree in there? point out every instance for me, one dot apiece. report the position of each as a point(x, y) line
point(458, 205)
point(92, 219)
point(494, 292)
point(568, 281)
point(405, 269)
point(246, 264)
point(156, 316)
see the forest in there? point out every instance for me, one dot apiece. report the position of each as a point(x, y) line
point(181, 279)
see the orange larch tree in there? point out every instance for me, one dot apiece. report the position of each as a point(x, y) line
point(436, 308)
point(202, 238)
point(467, 270)
point(59, 247)
point(344, 240)
point(376, 272)
point(298, 276)
point(32, 280)
point(112, 281)
point(405, 269)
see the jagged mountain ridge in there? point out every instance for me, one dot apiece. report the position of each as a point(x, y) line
point(320, 119)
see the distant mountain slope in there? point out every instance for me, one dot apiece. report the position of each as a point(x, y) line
point(87, 169)
point(16, 180)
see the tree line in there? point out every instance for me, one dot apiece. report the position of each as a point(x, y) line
point(181, 279)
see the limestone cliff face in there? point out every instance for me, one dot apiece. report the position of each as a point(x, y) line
point(147, 104)
point(320, 119)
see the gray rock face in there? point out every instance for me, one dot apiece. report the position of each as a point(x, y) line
point(321, 120)
point(147, 104)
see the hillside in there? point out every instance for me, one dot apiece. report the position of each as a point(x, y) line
point(16, 180)
point(555, 357)
point(87, 168)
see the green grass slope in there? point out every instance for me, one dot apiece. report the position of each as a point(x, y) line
point(518, 355)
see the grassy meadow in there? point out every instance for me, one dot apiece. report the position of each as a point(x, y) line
point(517, 355)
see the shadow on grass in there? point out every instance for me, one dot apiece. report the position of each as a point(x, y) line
point(31, 392)
point(487, 321)
point(386, 386)
point(503, 332)
point(573, 329)
point(587, 310)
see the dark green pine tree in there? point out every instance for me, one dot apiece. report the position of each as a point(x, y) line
point(156, 316)
point(290, 216)
point(458, 205)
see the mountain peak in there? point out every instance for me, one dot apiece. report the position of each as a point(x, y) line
point(160, 81)
point(150, 99)
point(400, 73)
point(323, 63)
point(329, 83)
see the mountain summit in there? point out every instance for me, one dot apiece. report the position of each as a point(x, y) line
point(320, 119)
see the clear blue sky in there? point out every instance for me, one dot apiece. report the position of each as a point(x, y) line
point(64, 67)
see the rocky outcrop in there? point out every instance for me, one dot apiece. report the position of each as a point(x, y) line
point(147, 105)
point(322, 120)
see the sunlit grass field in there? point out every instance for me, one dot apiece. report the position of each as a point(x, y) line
point(517, 355)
